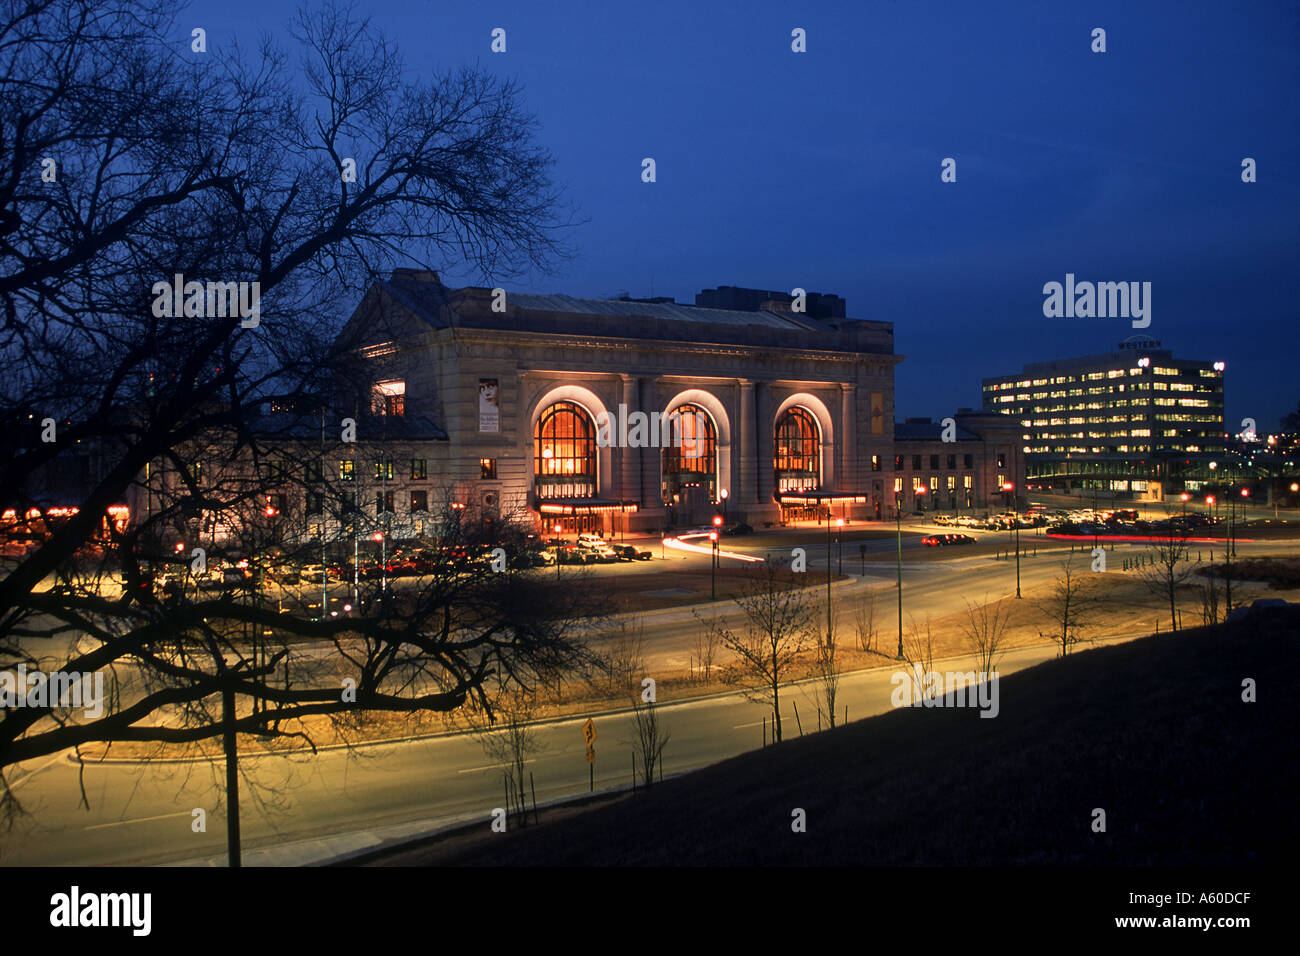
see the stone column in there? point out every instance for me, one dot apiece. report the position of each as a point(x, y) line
point(848, 438)
point(744, 466)
point(765, 442)
point(629, 467)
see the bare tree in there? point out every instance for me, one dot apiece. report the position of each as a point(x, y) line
point(510, 739)
point(624, 654)
point(778, 623)
point(827, 673)
point(237, 173)
point(864, 621)
point(651, 738)
point(985, 630)
point(1169, 572)
point(1209, 588)
point(1068, 608)
point(918, 654)
point(706, 646)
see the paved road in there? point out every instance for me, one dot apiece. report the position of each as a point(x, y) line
point(342, 803)
point(339, 802)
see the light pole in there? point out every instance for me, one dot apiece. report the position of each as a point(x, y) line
point(898, 520)
point(713, 566)
point(839, 545)
point(1015, 520)
point(1185, 497)
point(557, 551)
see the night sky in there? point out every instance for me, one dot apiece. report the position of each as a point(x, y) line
point(822, 169)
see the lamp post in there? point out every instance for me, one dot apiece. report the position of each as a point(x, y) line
point(1009, 487)
point(713, 566)
point(1185, 498)
point(558, 527)
point(898, 520)
point(723, 495)
point(839, 545)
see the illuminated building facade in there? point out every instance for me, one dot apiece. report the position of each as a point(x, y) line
point(1136, 421)
point(774, 412)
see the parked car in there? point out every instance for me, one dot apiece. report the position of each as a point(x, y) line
point(628, 552)
point(943, 540)
point(603, 553)
point(738, 527)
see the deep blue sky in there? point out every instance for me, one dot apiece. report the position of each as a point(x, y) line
point(821, 169)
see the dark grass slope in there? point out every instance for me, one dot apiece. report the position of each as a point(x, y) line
point(1153, 731)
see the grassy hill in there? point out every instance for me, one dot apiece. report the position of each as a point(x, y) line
point(1154, 731)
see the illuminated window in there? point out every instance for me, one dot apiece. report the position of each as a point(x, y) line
point(419, 469)
point(419, 501)
point(487, 467)
point(388, 398)
point(347, 470)
point(798, 451)
point(383, 471)
point(564, 452)
point(691, 455)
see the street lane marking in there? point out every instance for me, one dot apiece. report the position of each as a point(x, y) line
point(493, 766)
point(122, 823)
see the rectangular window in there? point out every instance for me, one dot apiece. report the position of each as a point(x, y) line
point(383, 471)
point(898, 486)
point(1002, 459)
point(966, 482)
point(952, 462)
point(916, 462)
point(388, 398)
point(383, 501)
point(487, 467)
point(875, 462)
point(419, 469)
point(419, 501)
point(968, 461)
point(315, 471)
point(347, 470)
point(898, 463)
point(315, 503)
point(934, 461)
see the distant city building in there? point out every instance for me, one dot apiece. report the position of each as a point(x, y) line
point(969, 471)
point(1136, 422)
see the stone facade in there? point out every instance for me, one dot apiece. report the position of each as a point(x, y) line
point(745, 370)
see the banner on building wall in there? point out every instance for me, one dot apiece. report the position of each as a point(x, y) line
point(489, 408)
point(877, 413)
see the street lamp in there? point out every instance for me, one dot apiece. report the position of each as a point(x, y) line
point(713, 566)
point(557, 551)
point(1009, 487)
point(898, 520)
point(1185, 498)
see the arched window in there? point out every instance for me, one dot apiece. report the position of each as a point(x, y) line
point(691, 455)
point(564, 452)
point(798, 451)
